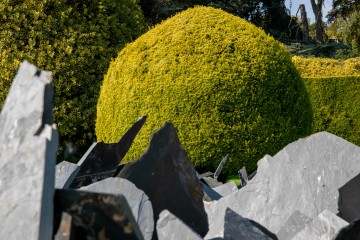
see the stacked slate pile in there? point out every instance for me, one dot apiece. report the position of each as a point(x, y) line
point(309, 190)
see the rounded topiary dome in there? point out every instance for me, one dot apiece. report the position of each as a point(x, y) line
point(76, 40)
point(225, 85)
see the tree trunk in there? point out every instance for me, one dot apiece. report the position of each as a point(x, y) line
point(317, 9)
point(304, 22)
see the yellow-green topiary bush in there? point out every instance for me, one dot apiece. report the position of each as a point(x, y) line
point(226, 85)
point(76, 40)
point(327, 67)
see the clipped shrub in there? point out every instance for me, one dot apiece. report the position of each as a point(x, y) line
point(327, 67)
point(226, 85)
point(335, 103)
point(76, 40)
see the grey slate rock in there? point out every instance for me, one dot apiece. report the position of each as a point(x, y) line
point(350, 232)
point(209, 193)
point(211, 182)
point(169, 227)
point(293, 225)
point(138, 201)
point(238, 228)
point(97, 215)
point(221, 166)
point(304, 176)
point(325, 226)
point(102, 159)
point(65, 173)
point(243, 176)
point(349, 200)
point(226, 189)
point(28, 146)
point(168, 178)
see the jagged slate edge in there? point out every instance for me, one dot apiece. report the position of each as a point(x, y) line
point(221, 166)
point(293, 225)
point(209, 193)
point(350, 232)
point(103, 216)
point(226, 189)
point(237, 227)
point(324, 226)
point(169, 227)
point(101, 159)
point(139, 202)
point(65, 173)
point(28, 146)
point(179, 179)
point(304, 176)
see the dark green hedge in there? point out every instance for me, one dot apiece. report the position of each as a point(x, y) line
point(226, 85)
point(336, 106)
point(76, 40)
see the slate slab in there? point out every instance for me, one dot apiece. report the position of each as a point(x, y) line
point(169, 227)
point(350, 232)
point(325, 226)
point(65, 173)
point(211, 182)
point(102, 159)
point(98, 215)
point(209, 193)
point(304, 176)
point(349, 200)
point(168, 178)
point(221, 166)
point(28, 145)
point(226, 188)
point(293, 225)
point(138, 201)
point(237, 227)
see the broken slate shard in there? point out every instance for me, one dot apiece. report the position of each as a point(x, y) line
point(169, 227)
point(226, 189)
point(211, 182)
point(221, 166)
point(65, 173)
point(168, 178)
point(64, 230)
point(209, 193)
point(304, 176)
point(350, 232)
point(100, 216)
point(237, 227)
point(102, 159)
point(28, 146)
point(325, 226)
point(349, 200)
point(293, 225)
point(138, 201)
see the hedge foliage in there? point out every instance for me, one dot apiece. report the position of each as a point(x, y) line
point(76, 40)
point(335, 103)
point(327, 67)
point(226, 85)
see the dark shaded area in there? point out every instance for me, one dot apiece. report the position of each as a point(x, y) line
point(349, 200)
point(101, 216)
point(350, 232)
point(102, 159)
point(168, 178)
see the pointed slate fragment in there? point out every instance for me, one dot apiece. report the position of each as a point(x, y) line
point(166, 175)
point(101, 159)
point(65, 173)
point(101, 216)
point(293, 225)
point(237, 227)
point(28, 146)
point(211, 182)
point(138, 201)
point(209, 193)
point(324, 226)
point(226, 189)
point(221, 166)
point(304, 176)
point(169, 227)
